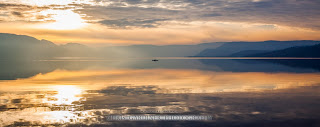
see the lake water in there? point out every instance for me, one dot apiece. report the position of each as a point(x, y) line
point(235, 92)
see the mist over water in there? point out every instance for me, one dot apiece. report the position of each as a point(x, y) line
point(236, 92)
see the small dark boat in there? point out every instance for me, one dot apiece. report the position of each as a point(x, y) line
point(155, 60)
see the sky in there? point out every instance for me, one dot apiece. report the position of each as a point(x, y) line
point(161, 22)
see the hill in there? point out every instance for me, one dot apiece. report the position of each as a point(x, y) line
point(300, 51)
point(230, 48)
point(21, 47)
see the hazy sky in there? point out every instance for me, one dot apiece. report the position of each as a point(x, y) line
point(113, 22)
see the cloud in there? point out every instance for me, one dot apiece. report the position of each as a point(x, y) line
point(6, 5)
point(133, 13)
point(126, 23)
point(285, 12)
point(167, 22)
point(18, 14)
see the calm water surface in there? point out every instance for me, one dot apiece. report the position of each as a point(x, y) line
point(236, 92)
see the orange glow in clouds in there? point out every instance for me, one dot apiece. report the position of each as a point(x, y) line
point(63, 20)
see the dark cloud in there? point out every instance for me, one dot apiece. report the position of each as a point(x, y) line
point(112, 13)
point(134, 2)
point(4, 5)
point(126, 23)
point(18, 14)
point(146, 13)
point(286, 12)
point(211, 15)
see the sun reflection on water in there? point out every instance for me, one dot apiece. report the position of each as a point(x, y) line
point(66, 94)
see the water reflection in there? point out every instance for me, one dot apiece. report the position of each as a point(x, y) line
point(65, 95)
point(11, 70)
point(85, 97)
point(175, 80)
point(245, 108)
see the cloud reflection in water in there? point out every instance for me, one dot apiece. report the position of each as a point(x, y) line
point(87, 96)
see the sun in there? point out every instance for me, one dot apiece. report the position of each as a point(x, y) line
point(63, 20)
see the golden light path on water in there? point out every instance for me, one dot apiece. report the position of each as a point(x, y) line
point(66, 95)
point(61, 96)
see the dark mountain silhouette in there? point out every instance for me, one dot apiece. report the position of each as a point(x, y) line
point(24, 47)
point(230, 48)
point(21, 47)
point(300, 51)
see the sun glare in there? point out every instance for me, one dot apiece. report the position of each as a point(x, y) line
point(63, 20)
point(67, 94)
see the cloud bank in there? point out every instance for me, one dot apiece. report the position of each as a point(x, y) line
point(165, 21)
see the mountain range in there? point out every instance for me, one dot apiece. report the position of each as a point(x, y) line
point(241, 49)
point(22, 47)
point(299, 51)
